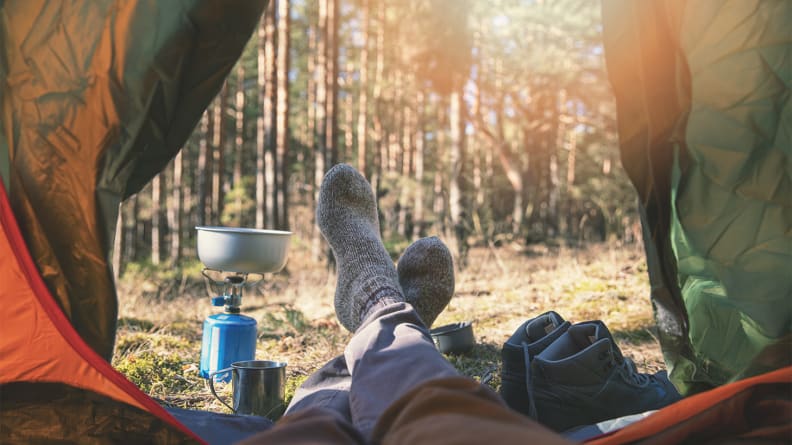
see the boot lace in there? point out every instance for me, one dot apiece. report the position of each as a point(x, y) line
point(626, 367)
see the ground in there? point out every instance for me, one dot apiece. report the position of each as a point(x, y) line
point(158, 343)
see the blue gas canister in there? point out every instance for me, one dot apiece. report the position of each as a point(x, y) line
point(227, 338)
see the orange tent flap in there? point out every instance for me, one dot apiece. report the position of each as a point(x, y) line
point(39, 344)
point(715, 406)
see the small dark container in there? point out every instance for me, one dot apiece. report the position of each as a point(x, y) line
point(455, 338)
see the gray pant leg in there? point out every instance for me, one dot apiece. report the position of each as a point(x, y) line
point(328, 387)
point(389, 355)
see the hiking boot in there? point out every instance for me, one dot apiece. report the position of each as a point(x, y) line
point(531, 338)
point(582, 378)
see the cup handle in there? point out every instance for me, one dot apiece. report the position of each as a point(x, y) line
point(211, 386)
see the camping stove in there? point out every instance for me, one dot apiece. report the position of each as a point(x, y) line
point(230, 336)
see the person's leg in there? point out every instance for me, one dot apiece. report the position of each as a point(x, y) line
point(388, 356)
point(426, 275)
point(328, 387)
point(391, 339)
point(391, 356)
point(311, 425)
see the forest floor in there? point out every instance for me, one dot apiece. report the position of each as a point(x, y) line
point(159, 337)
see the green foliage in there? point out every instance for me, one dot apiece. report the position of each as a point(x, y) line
point(481, 363)
point(156, 373)
point(130, 343)
point(135, 324)
point(396, 245)
point(289, 321)
point(292, 383)
point(238, 202)
point(441, 42)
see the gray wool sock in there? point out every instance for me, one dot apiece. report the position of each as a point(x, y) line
point(426, 275)
point(347, 217)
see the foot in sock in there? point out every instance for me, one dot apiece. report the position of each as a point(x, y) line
point(426, 275)
point(347, 217)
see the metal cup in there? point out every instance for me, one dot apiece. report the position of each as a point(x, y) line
point(257, 387)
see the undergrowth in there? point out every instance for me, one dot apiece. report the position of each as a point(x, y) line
point(158, 342)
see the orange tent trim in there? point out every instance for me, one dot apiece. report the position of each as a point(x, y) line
point(39, 343)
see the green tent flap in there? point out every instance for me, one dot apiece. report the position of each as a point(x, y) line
point(705, 129)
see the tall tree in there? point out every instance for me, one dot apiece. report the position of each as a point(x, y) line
point(320, 150)
point(203, 212)
point(157, 185)
point(420, 139)
point(380, 140)
point(261, 143)
point(331, 80)
point(175, 206)
point(270, 111)
point(239, 143)
point(118, 245)
point(218, 153)
point(444, 60)
point(282, 115)
point(362, 123)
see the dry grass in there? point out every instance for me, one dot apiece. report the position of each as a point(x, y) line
point(158, 343)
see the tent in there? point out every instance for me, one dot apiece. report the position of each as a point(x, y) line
point(98, 96)
point(705, 127)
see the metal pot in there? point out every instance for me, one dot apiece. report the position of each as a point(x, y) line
point(455, 338)
point(242, 250)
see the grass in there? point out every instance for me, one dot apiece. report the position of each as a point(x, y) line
point(158, 343)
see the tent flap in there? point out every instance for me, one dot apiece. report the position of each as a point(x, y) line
point(705, 127)
point(98, 97)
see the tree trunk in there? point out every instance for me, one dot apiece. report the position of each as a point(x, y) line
point(320, 152)
point(407, 162)
point(156, 206)
point(239, 142)
point(379, 136)
point(439, 204)
point(261, 145)
point(201, 171)
point(362, 125)
point(189, 184)
point(418, 205)
point(456, 161)
point(570, 180)
point(349, 118)
point(310, 141)
point(218, 154)
point(270, 104)
point(175, 210)
point(130, 208)
point(331, 76)
point(282, 115)
point(118, 244)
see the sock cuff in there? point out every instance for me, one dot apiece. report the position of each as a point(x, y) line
point(378, 290)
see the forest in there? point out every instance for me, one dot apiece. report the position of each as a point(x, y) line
point(481, 122)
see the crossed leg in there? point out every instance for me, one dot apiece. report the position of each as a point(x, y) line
point(402, 389)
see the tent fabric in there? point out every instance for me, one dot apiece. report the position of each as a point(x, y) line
point(705, 128)
point(51, 379)
point(755, 409)
point(220, 429)
point(40, 413)
point(97, 98)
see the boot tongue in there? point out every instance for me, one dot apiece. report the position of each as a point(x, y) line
point(600, 331)
point(542, 325)
point(573, 358)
